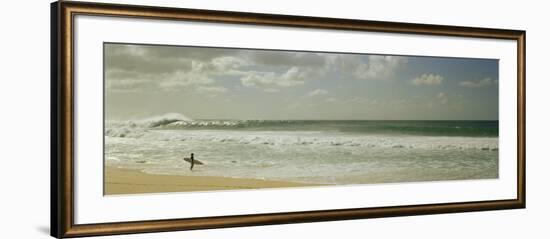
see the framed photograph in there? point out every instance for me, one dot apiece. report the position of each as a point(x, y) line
point(170, 119)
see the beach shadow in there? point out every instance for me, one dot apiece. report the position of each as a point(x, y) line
point(44, 229)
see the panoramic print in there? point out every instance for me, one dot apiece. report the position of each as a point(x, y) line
point(186, 118)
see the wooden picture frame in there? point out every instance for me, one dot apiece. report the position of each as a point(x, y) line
point(63, 120)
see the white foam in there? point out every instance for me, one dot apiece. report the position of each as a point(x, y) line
point(307, 156)
point(286, 138)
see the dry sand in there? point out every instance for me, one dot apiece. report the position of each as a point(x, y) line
point(127, 181)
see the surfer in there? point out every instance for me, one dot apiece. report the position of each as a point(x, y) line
point(192, 161)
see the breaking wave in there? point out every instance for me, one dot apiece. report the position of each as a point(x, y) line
point(136, 128)
point(425, 128)
point(454, 135)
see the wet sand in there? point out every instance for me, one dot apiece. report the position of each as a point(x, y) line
point(128, 181)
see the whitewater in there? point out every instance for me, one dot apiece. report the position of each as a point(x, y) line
point(310, 151)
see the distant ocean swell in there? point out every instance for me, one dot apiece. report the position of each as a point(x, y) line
point(427, 128)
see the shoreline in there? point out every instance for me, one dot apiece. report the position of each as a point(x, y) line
point(120, 181)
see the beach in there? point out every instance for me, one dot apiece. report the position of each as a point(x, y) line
point(246, 154)
point(131, 181)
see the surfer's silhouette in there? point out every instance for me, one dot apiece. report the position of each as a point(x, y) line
point(192, 162)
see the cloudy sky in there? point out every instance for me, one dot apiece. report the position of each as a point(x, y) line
point(221, 83)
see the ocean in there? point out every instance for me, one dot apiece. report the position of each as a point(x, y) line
point(334, 152)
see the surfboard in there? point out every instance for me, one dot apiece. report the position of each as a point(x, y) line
point(197, 162)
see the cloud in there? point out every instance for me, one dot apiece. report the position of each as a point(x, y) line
point(212, 89)
point(204, 54)
point(478, 83)
point(140, 68)
point(227, 63)
point(271, 90)
point(316, 92)
point(442, 97)
point(183, 81)
point(294, 76)
point(352, 100)
point(286, 59)
point(379, 67)
point(330, 100)
point(127, 81)
point(129, 84)
point(301, 67)
point(428, 79)
point(365, 67)
point(137, 59)
point(174, 68)
point(361, 100)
